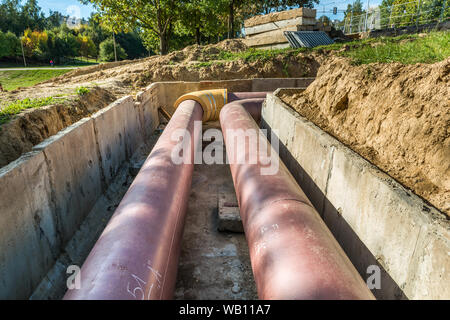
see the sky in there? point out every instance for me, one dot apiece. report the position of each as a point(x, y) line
point(325, 7)
point(66, 7)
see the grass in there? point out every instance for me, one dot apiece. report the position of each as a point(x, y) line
point(14, 108)
point(430, 49)
point(11, 80)
point(76, 62)
point(252, 54)
point(407, 49)
point(249, 55)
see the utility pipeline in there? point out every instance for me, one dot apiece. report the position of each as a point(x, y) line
point(136, 257)
point(293, 254)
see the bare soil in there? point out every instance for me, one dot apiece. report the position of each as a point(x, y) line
point(114, 80)
point(213, 265)
point(396, 116)
point(128, 77)
point(34, 126)
point(185, 65)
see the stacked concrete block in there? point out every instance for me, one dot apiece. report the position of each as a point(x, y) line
point(267, 32)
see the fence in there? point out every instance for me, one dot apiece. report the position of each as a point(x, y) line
point(401, 13)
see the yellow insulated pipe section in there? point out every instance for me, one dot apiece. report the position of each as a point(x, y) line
point(212, 101)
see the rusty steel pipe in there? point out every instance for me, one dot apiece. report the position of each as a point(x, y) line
point(293, 254)
point(252, 106)
point(251, 101)
point(137, 255)
point(236, 96)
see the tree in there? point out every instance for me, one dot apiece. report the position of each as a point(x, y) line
point(201, 18)
point(404, 13)
point(17, 18)
point(54, 20)
point(325, 20)
point(34, 43)
point(87, 46)
point(31, 16)
point(268, 6)
point(96, 32)
point(132, 44)
point(356, 9)
point(107, 51)
point(155, 16)
point(354, 15)
point(9, 44)
point(10, 17)
point(400, 13)
point(233, 5)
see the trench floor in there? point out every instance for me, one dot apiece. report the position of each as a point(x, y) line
point(213, 265)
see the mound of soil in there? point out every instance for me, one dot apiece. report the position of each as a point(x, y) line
point(126, 77)
point(183, 65)
point(32, 127)
point(396, 116)
point(194, 63)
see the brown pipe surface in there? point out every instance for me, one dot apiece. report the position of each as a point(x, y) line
point(293, 254)
point(246, 95)
point(137, 255)
point(253, 106)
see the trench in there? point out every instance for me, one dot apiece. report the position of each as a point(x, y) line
point(214, 264)
point(142, 249)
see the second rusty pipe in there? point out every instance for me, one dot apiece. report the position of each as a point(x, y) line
point(250, 101)
point(293, 254)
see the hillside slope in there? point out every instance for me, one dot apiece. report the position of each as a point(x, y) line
point(396, 116)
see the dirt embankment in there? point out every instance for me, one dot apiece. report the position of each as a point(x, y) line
point(194, 63)
point(34, 126)
point(197, 63)
point(396, 116)
point(110, 80)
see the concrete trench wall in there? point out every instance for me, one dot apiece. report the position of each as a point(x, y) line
point(46, 194)
point(164, 94)
point(375, 219)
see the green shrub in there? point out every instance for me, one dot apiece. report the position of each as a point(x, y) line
point(9, 44)
point(81, 91)
point(107, 51)
point(11, 109)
